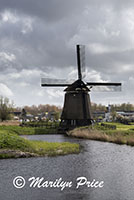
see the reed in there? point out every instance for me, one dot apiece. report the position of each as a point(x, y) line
point(116, 136)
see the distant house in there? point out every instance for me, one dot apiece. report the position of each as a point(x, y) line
point(125, 113)
point(29, 117)
point(97, 114)
point(41, 116)
point(16, 114)
point(51, 116)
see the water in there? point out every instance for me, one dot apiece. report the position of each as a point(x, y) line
point(111, 163)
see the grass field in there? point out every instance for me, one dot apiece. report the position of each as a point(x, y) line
point(19, 130)
point(121, 127)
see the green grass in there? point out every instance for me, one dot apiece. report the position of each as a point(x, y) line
point(120, 126)
point(122, 132)
point(19, 130)
point(54, 148)
point(14, 146)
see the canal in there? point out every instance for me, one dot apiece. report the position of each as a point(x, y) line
point(111, 163)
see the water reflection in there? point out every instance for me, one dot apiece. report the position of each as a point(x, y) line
point(101, 161)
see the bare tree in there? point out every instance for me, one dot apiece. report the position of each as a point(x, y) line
point(5, 108)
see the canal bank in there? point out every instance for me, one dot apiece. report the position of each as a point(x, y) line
point(15, 146)
point(106, 132)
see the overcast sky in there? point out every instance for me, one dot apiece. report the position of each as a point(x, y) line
point(38, 38)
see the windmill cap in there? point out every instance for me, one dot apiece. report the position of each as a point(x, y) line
point(76, 86)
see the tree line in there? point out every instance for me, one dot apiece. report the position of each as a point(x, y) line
point(114, 107)
point(35, 110)
point(7, 107)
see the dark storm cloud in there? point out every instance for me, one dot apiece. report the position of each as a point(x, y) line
point(52, 10)
point(56, 9)
point(47, 42)
point(40, 36)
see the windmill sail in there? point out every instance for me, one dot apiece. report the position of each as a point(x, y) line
point(55, 82)
point(81, 61)
point(104, 86)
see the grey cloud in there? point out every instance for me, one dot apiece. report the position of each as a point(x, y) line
point(52, 10)
point(47, 44)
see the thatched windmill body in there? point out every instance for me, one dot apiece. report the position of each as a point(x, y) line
point(77, 104)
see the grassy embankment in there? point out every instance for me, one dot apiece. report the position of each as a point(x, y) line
point(18, 130)
point(31, 130)
point(14, 146)
point(123, 134)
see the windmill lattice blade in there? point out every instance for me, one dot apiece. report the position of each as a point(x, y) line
point(81, 61)
point(54, 82)
point(103, 84)
point(82, 58)
point(104, 87)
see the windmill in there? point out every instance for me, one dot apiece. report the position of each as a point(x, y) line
point(77, 105)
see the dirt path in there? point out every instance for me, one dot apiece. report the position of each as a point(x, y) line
point(10, 123)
